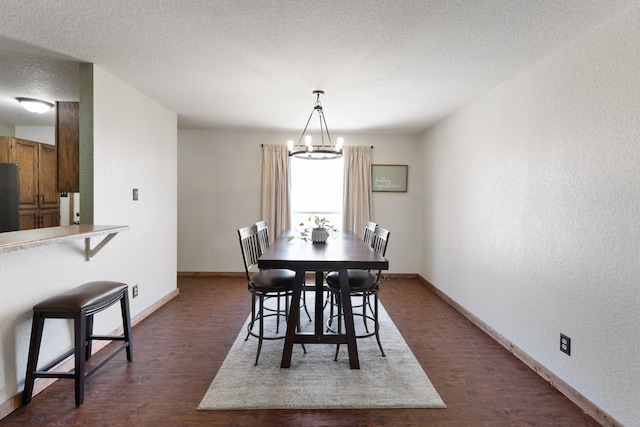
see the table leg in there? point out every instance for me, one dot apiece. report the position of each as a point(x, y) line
point(292, 324)
point(350, 330)
point(319, 317)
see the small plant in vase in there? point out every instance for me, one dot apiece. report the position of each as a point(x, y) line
point(317, 229)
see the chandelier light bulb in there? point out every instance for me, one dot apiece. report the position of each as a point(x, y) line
point(339, 143)
point(307, 140)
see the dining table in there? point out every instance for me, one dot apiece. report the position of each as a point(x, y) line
point(342, 251)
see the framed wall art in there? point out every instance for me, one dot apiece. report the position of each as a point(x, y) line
point(389, 178)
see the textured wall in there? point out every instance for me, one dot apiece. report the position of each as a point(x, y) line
point(532, 212)
point(219, 191)
point(135, 140)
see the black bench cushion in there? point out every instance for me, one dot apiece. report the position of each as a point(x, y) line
point(88, 296)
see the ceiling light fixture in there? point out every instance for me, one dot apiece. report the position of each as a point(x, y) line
point(322, 151)
point(35, 105)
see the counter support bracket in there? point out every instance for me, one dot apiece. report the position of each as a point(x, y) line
point(90, 253)
point(16, 240)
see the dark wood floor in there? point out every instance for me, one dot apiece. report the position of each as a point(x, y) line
point(179, 348)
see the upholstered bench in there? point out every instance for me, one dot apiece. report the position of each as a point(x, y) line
point(79, 304)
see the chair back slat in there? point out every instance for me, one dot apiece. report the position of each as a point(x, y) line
point(263, 236)
point(369, 230)
point(380, 240)
point(379, 243)
point(250, 247)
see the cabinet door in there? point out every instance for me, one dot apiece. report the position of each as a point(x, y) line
point(49, 198)
point(49, 218)
point(29, 219)
point(27, 159)
point(7, 155)
point(37, 173)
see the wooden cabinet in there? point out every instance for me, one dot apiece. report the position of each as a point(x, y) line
point(37, 173)
point(68, 146)
point(25, 154)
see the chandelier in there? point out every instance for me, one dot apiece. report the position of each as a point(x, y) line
point(322, 151)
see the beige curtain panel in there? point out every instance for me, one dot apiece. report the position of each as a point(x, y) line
point(357, 188)
point(276, 205)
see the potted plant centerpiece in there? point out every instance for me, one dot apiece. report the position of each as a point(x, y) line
point(317, 229)
point(321, 230)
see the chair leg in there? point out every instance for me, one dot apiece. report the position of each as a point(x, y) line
point(278, 311)
point(377, 324)
point(299, 326)
point(330, 298)
point(253, 316)
point(32, 361)
point(364, 313)
point(259, 315)
point(338, 298)
point(327, 300)
point(287, 308)
point(261, 326)
point(304, 304)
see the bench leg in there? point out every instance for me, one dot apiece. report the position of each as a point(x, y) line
point(32, 362)
point(80, 327)
point(126, 324)
point(88, 342)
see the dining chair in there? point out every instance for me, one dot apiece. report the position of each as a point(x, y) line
point(262, 284)
point(369, 230)
point(365, 284)
point(265, 242)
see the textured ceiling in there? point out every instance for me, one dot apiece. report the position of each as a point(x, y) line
point(386, 66)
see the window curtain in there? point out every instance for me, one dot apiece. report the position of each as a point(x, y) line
point(276, 205)
point(357, 188)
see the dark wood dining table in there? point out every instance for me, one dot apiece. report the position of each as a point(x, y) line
point(344, 251)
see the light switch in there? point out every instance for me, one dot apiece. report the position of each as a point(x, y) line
point(135, 194)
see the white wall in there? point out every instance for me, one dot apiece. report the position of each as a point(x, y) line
point(43, 134)
point(7, 130)
point(219, 191)
point(135, 146)
point(532, 212)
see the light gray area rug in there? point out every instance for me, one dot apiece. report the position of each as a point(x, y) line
point(316, 381)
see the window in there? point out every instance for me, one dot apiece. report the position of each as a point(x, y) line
point(316, 189)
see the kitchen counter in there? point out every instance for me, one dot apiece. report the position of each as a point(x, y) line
point(16, 240)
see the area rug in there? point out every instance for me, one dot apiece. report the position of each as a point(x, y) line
point(316, 381)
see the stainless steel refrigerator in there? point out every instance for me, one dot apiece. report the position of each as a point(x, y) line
point(9, 219)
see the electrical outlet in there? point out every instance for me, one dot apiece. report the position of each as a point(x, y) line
point(565, 344)
point(134, 291)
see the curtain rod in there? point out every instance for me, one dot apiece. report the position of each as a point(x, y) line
point(262, 145)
